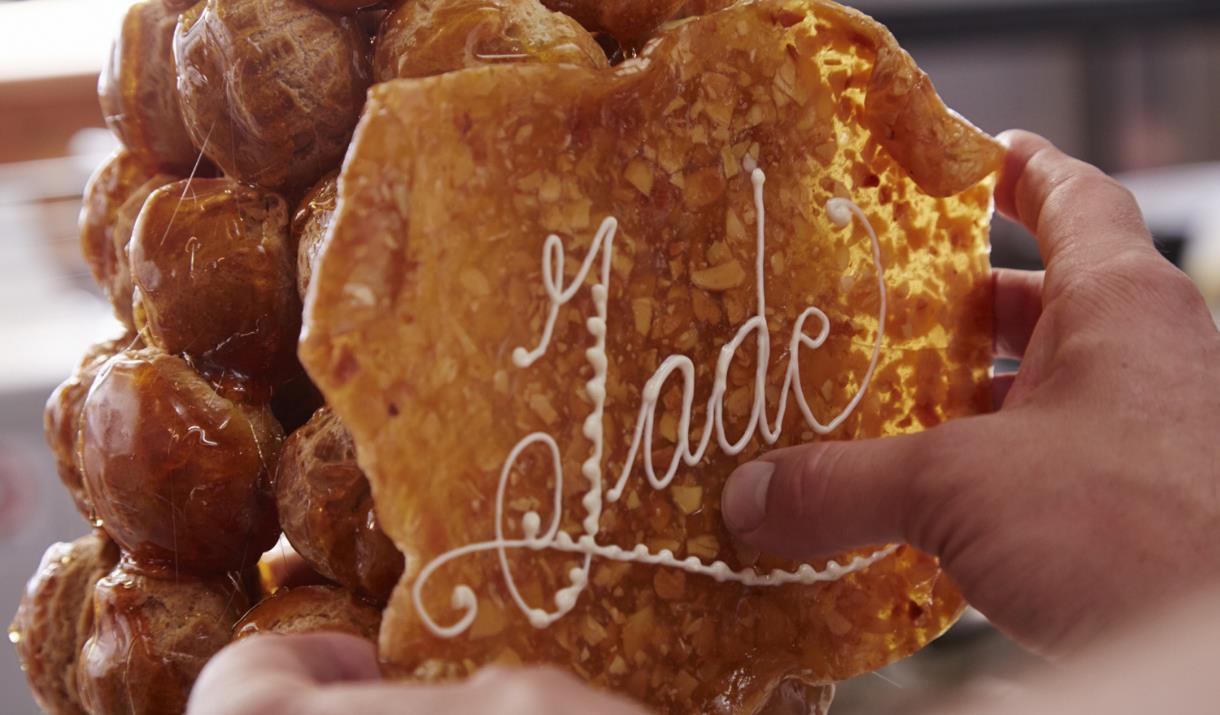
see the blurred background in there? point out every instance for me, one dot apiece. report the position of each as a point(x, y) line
point(1131, 85)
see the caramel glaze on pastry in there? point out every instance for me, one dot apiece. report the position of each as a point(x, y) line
point(179, 475)
point(271, 89)
point(112, 202)
point(56, 617)
point(326, 510)
point(214, 273)
point(311, 609)
point(137, 90)
point(153, 631)
point(421, 38)
point(61, 417)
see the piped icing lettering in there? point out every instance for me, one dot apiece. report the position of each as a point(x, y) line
point(535, 538)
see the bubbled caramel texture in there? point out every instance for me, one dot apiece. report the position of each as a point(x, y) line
point(422, 38)
point(270, 89)
point(431, 278)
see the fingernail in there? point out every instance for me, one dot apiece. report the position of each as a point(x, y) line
point(744, 503)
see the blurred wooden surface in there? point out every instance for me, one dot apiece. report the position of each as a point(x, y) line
point(39, 117)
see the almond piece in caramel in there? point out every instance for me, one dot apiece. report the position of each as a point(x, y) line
point(483, 328)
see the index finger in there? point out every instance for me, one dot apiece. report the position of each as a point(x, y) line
point(1074, 209)
point(248, 676)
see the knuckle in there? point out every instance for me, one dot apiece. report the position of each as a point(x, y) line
point(802, 493)
point(938, 476)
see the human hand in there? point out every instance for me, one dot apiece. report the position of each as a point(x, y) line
point(325, 674)
point(1094, 492)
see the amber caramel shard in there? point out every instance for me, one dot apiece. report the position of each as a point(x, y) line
point(627, 20)
point(422, 38)
point(152, 633)
point(179, 475)
point(214, 272)
point(326, 510)
point(311, 609)
point(271, 89)
point(56, 616)
point(61, 417)
point(137, 90)
point(112, 201)
point(430, 296)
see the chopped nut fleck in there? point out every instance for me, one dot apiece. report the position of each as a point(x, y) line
point(642, 310)
point(639, 174)
point(688, 498)
point(722, 277)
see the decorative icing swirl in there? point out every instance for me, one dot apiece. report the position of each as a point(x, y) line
point(840, 211)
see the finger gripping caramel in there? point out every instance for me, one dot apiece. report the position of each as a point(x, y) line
point(547, 423)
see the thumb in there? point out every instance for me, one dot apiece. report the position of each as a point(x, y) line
point(827, 497)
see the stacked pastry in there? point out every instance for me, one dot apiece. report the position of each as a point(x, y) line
point(193, 440)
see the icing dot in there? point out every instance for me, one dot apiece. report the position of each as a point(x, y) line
point(530, 524)
point(463, 598)
point(640, 550)
point(666, 555)
point(592, 426)
point(521, 357)
point(693, 562)
point(806, 571)
point(577, 575)
point(839, 211)
point(539, 618)
point(565, 598)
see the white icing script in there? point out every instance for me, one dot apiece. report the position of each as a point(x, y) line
point(840, 211)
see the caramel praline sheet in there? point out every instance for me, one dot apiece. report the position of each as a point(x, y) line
point(432, 278)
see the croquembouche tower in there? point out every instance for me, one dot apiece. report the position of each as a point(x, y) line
point(193, 441)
